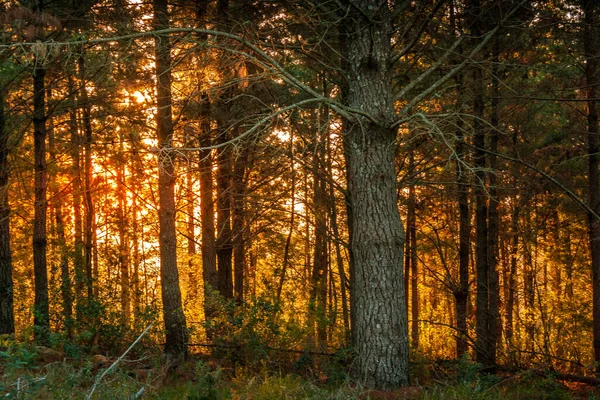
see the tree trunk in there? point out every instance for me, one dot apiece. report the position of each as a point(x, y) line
point(61, 243)
point(41, 317)
point(592, 71)
point(207, 214)
point(380, 336)
point(461, 293)
point(483, 345)
point(411, 238)
point(238, 220)
point(90, 217)
point(174, 318)
point(7, 316)
point(338, 246)
point(494, 326)
point(78, 245)
point(123, 224)
point(224, 169)
point(318, 291)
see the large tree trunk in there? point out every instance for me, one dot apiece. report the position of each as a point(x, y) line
point(41, 318)
point(592, 54)
point(380, 336)
point(7, 317)
point(174, 318)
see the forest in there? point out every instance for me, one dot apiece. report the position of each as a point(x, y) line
point(299, 199)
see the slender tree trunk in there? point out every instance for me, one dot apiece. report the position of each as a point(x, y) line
point(378, 295)
point(483, 345)
point(41, 317)
point(224, 172)
point(461, 293)
point(90, 216)
point(337, 244)
point(223, 242)
point(61, 242)
point(411, 237)
point(494, 325)
point(174, 318)
point(207, 214)
point(78, 245)
point(591, 43)
point(123, 224)
point(7, 316)
point(238, 220)
point(190, 227)
point(318, 292)
point(288, 240)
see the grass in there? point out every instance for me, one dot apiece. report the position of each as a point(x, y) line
point(24, 376)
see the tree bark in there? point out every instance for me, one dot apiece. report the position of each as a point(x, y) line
point(591, 43)
point(41, 313)
point(483, 345)
point(7, 316)
point(174, 318)
point(380, 337)
point(494, 325)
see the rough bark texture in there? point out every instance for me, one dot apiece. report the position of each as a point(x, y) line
point(41, 319)
point(380, 337)
point(174, 318)
point(592, 72)
point(7, 317)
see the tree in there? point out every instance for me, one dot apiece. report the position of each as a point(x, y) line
point(380, 327)
point(174, 319)
point(7, 317)
point(591, 36)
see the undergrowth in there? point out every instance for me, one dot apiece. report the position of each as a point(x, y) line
point(24, 374)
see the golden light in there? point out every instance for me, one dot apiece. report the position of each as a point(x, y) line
point(139, 97)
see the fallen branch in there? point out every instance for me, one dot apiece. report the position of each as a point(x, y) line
point(114, 364)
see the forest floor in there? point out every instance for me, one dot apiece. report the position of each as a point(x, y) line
point(29, 372)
